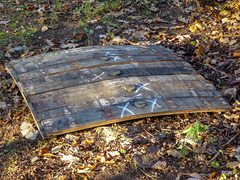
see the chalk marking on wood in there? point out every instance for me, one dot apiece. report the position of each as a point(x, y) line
point(98, 76)
point(142, 87)
point(125, 109)
point(153, 104)
point(109, 53)
point(120, 81)
point(128, 98)
point(115, 59)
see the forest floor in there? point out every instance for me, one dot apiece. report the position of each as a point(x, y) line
point(207, 35)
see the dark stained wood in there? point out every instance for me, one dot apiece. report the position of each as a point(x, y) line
point(91, 86)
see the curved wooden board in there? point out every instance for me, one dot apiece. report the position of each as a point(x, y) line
point(87, 87)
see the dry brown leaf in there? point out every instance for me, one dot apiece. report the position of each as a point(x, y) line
point(213, 175)
point(48, 155)
point(199, 51)
point(233, 164)
point(174, 153)
point(208, 61)
point(43, 150)
point(160, 165)
point(79, 35)
point(17, 2)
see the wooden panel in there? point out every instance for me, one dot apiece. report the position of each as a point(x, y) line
point(87, 87)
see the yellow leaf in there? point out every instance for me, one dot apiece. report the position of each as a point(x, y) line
point(208, 60)
point(236, 55)
point(199, 51)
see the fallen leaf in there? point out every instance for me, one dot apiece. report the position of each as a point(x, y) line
point(208, 61)
point(4, 22)
point(48, 155)
point(42, 19)
point(174, 153)
point(43, 150)
point(44, 28)
point(79, 35)
point(195, 26)
point(182, 19)
point(118, 40)
point(236, 55)
point(232, 42)
point(69, 46)
point(17, 2)
point(199, 51)
point(49, 42)
point(160, 165)
point(3, 105)
point(69, 158)
point(233, 164)
point(213, 175)
point(230, 92)
point(56, 149)
point(195, 176)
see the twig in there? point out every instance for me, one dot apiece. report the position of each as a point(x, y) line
point(147, 131)
point(146, 173)
point(216, 155)
point(135, 44)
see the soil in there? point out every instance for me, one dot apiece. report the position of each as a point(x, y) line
point(204, 33)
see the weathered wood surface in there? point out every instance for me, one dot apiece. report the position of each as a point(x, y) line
point(86, 87)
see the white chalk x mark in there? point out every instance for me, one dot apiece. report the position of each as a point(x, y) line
point(154, 103)
point(98, 76)
point(142, 87)
point(125, 109)
point(115, 58)
point(128, 98)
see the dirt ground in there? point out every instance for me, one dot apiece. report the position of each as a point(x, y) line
point(188, 146)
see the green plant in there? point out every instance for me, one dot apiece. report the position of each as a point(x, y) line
point(194, 130)
point(82, 23)
point(10, 168)
point(122, 151)
point(184, 151)
point(89, 32)
point(58, 4)
point(106, 18)
point(215, 164)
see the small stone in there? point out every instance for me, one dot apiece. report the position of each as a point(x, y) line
point(129, 87)
point(115, 72)
point(140, 104)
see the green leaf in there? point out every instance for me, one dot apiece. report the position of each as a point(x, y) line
point(187, 130)
point(123, 151)
point(192, 132)
point(215, 164)
point(91, 32)
point(192, 43)
point(10, 168)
